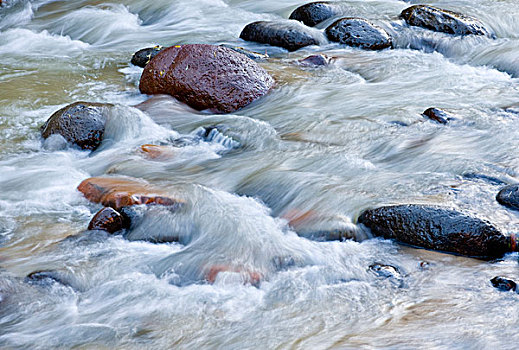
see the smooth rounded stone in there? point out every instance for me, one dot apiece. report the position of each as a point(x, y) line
point(316, 60)
point(107, 219)
point(438, 228)
point(80, 123)
point(290, 35)
point(159, 152)
point(121, 192)
point(206, 77)
point(142, 57)
point(358, 32)
point(315, 12)
point(504, 284)
point(509, 196)
point(253, 55)
point(440, 20)
point(438, 115)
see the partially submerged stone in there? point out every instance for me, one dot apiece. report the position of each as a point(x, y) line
point(316, 60)
point(206, 77)
point(445, 21)
point(504, 284)
point(121, 192)
point(158, 152)
point(142, 57)
point(109, 220)
point(438, 228)
point(509, 196)
point(290, 35)
point(315, 12)
point(248, 276)
point(358, 32)
point(80, 123)
point(438, 115)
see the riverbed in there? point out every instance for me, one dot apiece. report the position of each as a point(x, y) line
point(325, 144)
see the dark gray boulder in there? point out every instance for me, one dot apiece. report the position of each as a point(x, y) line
point(438, 228)
point(315, 60)
point(80, 123)
point(143, 56)
point(286, 34)
point(509, 196)
point(358, 32)
point(315, 12)
point(445, 21)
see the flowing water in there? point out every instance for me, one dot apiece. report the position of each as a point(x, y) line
point(321, 147)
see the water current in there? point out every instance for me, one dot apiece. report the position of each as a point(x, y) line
point(322, 146)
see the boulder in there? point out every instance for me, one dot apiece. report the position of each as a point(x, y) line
point(438, 115)
point(80, 123)
point(206, 77)
point(121, 192)
point(438, 228)
point(358, 32)
point(440, 20)
point(290, 35)
point(142, 57)
point(315, 12)
point(504, 284)
point(109, 220)
point(315, 60)
point(509, 196)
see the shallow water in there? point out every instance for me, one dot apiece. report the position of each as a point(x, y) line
point(324, 145)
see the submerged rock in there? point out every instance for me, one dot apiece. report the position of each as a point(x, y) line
point(315, 12)
point(358, 32)
point(439, 229)
point(206, 77)
point(438, 115)
point(121, 192)
point(46, 278)
point(504, 284)
point(158, 152)
point(247, 275)
point(440, 20)
point(80, 123)
point(509, 196)
point(287, 34)
point(142, 57)
point(316, 60)
point(386, 271)
point(109, 220)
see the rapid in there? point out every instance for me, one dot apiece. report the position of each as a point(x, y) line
point(307, 158)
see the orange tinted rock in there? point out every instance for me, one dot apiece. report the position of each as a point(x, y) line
point(158, 152)
point(107, 219)
point(297, 218)
point(252, 277)
point(122, 192)
point(206, 77)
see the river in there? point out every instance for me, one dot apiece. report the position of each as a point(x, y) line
point(322, 146)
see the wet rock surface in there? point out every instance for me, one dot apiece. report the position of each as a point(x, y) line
point(80, 123)
point(315, 12)
point(509, 196)
point(440, 20)
point(206, 77)
point(438, 115)
point(438, 228)
point(504, 284)
point(286, 34)
point(316, 60)
point(46, 278)
point(142, 57)
point(253, 55)
point(121, 192)
point(358, 32)
point(109, 220)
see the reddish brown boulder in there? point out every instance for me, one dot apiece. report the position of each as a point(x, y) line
point(206, 77)
point(121, 192)
point(107, 219)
